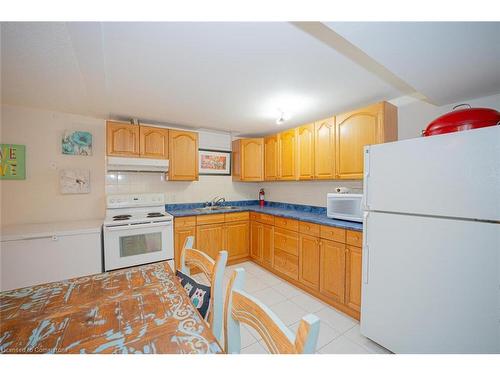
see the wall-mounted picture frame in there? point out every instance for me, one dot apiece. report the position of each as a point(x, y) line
point(12, 162)
point(214, 162)
point(74, 181)
point(76, 143)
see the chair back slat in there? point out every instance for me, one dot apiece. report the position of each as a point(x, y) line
point(214, 272)
point(242, 307)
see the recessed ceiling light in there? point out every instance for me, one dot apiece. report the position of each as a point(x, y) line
point(284, 106)
point(281, 119)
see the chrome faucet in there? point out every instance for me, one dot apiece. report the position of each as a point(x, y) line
point(216, 201)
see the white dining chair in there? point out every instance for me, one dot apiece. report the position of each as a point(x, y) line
point(214, 272)
point(239, 306)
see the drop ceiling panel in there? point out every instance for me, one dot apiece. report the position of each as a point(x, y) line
point(445, 61)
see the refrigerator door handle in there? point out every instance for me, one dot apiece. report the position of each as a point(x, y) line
point(366, 249)
point(365, 179)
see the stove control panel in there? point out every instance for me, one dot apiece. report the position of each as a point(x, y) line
point(135, 200)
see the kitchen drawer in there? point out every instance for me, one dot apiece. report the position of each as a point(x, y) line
point(286, 263)
point(262, 218)
point(332, 233)
point(266, 219)
point(285, 223)
point(254, 216)
point(210, 219)
point(309, 228)
point(354, 238)
point(287, 241)
point(237, 216)
point(185, 222)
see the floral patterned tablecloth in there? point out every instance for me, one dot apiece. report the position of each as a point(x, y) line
point(135, 310)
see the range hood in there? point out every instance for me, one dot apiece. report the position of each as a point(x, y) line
point(119, 164)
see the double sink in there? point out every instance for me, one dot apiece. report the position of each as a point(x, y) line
point(216, 208)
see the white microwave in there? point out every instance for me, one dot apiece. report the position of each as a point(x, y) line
point(344, 206)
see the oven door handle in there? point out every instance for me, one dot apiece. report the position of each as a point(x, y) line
point(134, 226)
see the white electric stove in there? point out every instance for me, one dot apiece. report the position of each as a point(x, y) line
point(137, 230)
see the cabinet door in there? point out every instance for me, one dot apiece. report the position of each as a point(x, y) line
point(353, 278)
point(354, 130)
point(180, 235)
point(305, 152)
point(286, 263)
point(332, 269)
point(324, 149)
point(153, 142)
point(267, 244)
point(271, 158)
point(236, 160)
point(236, 239)
point(287, 144)
point(256, 240)
point(252, 159)
point(309, 255)
point(122, 139)
point(210, 239)
point(183, 155)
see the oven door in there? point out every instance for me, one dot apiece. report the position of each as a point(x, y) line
point(132, 245)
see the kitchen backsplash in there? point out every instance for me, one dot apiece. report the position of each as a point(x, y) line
point(296, 192)
point(178, 191)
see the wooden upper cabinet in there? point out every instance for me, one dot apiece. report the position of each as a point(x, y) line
point(354, 130)
point(324, 149)
point(183, 155)
point(309, 255)
point(332, 269)
point(248, 159)
point(353, 278)
point(271, 158)
point(305, 152)
point(122, 139)
point(153, 142)
point(287, 155)
point(236, 156)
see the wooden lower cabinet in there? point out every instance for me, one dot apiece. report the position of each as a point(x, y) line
point(236, 239)
point(332, 272)
point(286, 252)
point(210, 239)
point(324, 261)
point(256, 240)
point(309, 260)
point(267, 244)
point(286, 263)
point(353, 278)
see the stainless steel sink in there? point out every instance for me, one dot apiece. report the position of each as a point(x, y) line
point(216, 208)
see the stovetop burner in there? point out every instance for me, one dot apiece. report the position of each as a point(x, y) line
point(155, 214)
point(121, 217)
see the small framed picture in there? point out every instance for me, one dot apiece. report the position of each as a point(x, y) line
point(214, 162)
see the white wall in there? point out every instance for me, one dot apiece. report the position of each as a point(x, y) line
point(37, 199)
point(414, 117)
point(306, 192)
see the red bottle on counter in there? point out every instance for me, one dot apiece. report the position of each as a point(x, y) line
point(261, 197)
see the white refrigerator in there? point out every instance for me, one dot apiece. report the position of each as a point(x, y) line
point(431, 244)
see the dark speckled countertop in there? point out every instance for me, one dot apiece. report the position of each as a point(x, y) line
point(312, 214)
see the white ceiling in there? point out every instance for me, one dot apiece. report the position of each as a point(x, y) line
point(235, 76)
point(446, 61)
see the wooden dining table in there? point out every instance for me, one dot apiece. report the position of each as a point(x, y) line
point(142, 309)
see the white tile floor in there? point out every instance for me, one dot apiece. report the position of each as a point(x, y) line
point(339, 334)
